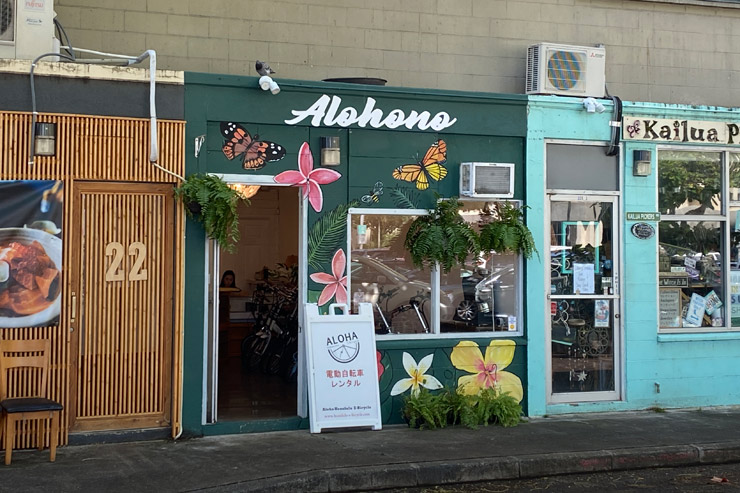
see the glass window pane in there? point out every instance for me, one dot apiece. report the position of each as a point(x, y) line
point(483, 295)
point(581, 241)
point(689, 182)
point(582, 345)
point(382, 274)
point(734, 160)
point(691, 259)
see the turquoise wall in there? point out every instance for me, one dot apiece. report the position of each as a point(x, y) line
point(692, 369)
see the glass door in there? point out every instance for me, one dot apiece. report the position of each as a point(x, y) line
point(584, 299)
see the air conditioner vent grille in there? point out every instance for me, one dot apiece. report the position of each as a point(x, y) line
point(492, 181)
point(565, 69)
point(6, 20)
point(487, 180)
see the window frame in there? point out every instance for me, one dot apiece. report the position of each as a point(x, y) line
point(724, 221)
point(434, 310)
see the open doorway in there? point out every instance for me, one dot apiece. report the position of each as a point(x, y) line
point(253, 313)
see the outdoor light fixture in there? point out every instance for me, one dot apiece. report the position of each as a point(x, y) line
point(641, 163)
point(330, 155)
point(246, 191)
point(267, 84)
point(44, 143)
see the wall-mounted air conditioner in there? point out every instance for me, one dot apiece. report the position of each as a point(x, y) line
point(566, 70)
point(26, 28)
point(487, 180)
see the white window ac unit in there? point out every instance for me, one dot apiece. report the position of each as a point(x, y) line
point(487, 180)
point(566, 70)
point(26, 28)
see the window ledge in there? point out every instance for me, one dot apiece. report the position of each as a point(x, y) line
point(710, 336)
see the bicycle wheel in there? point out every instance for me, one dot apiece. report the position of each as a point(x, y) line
point(258, 350)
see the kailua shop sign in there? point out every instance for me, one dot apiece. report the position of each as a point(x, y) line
point(328, 111)
point(676, 130)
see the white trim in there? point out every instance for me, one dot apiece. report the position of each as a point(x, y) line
point(250, 179)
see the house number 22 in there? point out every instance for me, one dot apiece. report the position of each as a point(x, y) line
point(115, 272)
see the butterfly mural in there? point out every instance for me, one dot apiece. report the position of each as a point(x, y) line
point(429, 168)
point(374, 196)
point(256, 153)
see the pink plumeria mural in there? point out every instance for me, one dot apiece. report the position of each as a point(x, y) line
point(336, 282)
point(309, 179)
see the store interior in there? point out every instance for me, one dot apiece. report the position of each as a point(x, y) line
point(257, 311)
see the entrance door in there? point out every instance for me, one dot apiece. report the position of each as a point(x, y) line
point(584, 299)
point(122, 300)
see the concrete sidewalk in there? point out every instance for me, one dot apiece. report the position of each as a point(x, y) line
point(394, 457)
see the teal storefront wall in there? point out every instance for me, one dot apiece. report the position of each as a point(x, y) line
point(692, 370)
point(489, 128)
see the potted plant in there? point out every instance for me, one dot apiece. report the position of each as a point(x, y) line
point(441, 237)
point(209, 200)
point(503, 230)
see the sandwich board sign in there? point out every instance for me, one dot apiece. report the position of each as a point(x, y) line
point(343, 389)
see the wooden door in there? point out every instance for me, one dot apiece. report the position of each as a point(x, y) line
point(121, 319)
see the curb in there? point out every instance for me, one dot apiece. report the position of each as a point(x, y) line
point(414, 474)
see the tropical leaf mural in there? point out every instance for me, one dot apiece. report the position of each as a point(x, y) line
point(404, 198)
point(326, 235)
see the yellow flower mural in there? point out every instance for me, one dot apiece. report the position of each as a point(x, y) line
point(486, 372)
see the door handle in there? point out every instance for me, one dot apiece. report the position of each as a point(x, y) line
point(73, 309)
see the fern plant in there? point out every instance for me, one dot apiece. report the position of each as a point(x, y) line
point(504, 231)
point(210, 201)
point(426, 410)
point(441, 237)
point(450, 407)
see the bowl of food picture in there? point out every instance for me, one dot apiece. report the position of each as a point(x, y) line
point(30, 277)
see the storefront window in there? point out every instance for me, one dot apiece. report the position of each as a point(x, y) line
point(481, 296)
point(692, 250)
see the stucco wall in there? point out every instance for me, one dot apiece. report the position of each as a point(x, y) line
point(678, 51)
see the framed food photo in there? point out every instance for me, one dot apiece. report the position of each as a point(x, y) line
point(31, 213)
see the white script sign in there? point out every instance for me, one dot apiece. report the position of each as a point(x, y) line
point(328, 109)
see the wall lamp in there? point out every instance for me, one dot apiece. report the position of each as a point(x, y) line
point(641, 165)
point(44, 140)
point(267, 84)
point(330, 151)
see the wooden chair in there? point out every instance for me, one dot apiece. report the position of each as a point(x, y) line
point(34, 357)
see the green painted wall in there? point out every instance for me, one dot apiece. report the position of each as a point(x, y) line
point(489, 128)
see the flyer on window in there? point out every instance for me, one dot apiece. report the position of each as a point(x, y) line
point(601, 313)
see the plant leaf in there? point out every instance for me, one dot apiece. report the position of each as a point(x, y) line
point(326, 234)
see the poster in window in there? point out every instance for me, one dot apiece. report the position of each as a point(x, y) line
point(670, 307)
point(695, 312)
point(735, 297)
point(30, 252)
point(601, 313)
point(583, 278)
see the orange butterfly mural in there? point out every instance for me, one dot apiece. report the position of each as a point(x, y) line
point(256, 153)
point(429, 168)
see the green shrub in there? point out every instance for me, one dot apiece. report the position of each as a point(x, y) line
point(490, 406)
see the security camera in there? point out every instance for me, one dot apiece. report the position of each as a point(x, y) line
point(267, 84)
point(593, 106)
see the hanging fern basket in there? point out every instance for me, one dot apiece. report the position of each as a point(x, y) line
point(504, 231)
point(441, 237)
point(209, 200)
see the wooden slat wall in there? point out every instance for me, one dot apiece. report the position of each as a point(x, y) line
point(99, 149)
